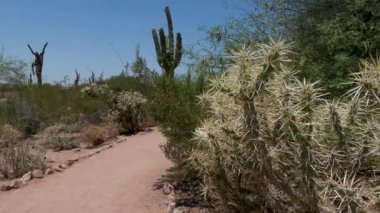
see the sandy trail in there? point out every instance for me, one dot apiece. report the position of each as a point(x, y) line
point(120, 179)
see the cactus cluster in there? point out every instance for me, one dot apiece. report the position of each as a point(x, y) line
point(274, 143)
point(168, 55)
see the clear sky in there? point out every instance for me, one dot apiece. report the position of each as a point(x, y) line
point(83, 34)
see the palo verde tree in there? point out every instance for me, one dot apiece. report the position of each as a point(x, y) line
point(168, 58)
point(12, 71)
point(38, 63)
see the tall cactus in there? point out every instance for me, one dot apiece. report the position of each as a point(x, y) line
point(168, 58)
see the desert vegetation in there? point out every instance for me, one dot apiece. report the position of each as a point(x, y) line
point(279, 113)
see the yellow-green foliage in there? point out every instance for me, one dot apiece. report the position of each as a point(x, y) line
point(273, 143)
point(9, 136)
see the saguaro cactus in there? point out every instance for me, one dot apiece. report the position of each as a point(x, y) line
point(38, 63)
point(168, 58)
point(77, 77)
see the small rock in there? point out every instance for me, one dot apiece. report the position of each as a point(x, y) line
point(97, 151)
point(37, 173)
point(171, 207)
point(71, 162)
point(181, 210)
point(50, 161)
point(49, 171)
point(6, 187)
point(110, 146)
point(26, 177)
point(57, 169)
point(77, 150)
point(17, 184)
point(167, 188)
point(62, 166)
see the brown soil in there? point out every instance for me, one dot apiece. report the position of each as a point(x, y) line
point(120, 179)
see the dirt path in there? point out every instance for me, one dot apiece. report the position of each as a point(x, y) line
point(120, 179)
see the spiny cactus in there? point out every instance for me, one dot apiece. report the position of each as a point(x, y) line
point(168, 58)
point(272, 142)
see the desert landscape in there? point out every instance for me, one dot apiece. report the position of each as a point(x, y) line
point(190, 106)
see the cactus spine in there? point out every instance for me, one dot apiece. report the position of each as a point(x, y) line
point(168, 58)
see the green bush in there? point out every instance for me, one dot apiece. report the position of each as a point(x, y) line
point(271, 142)
point(175, 107)
point(35, 107)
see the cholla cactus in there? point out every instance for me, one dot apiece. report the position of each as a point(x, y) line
point(129, 111)
point(273, 143)
point(96, 90)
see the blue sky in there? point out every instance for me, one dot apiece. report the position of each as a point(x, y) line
point(83, 34)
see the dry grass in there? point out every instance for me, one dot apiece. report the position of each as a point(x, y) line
point(9, 136)
point(93, 135)
point(111, 129)
point(16, 161)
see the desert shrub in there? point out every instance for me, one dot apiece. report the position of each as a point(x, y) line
point(20, 159)
point(62, 142)
point(271, 142)
point(31, 127)
point(122, 83)
point(59, 137)
point(93, 135)
point(111, 129)
point(36, 107)
point(9, 136)
point(57, 128)
point(176, 109)
point(129, 111)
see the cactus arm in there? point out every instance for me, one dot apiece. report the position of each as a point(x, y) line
point(31, 50)
point(157, 47)
point(170, 33)
point(164, 54)
point(43, 50)
point(178, 50)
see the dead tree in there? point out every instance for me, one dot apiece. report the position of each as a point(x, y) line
point(77, 77)
point(38, 63)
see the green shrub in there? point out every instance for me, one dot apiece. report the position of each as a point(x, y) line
point(271, 142)
point(129, 111)
point(36, 107)
point(20, 159)
point(175, 107)
point(31, 127)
